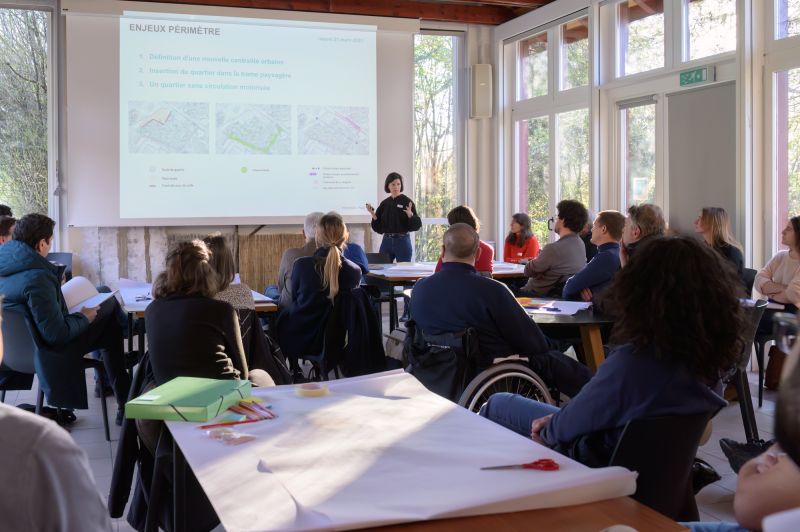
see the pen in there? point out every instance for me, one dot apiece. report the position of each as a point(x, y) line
point(551, 309)
point(228, 423)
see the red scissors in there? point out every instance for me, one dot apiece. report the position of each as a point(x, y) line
point(543, 464)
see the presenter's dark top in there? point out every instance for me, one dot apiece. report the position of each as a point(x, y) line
point(392, 217)
point(457, 298)
point(194, 336)
point(301, 326)
point(734, 257)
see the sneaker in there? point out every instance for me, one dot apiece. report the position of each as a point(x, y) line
point(703, 474)
point(739, 454)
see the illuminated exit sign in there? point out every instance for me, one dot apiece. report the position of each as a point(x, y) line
point(697, 75)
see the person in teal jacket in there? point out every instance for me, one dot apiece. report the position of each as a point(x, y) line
point(30, 283)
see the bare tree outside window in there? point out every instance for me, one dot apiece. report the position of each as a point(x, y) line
point(435, 115)
point(23, 110)
point(533, 149)
point(573, 155)
point(711, 27)
point(787, 18)
point(641, 36)
point(787, 145)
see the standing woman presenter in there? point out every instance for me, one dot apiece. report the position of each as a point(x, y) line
point(395, 217)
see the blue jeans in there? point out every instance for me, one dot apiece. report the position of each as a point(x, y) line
point(515, 412)
point(700, 526)
point(397, 246)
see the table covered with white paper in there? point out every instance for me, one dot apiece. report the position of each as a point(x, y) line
point(378, 450)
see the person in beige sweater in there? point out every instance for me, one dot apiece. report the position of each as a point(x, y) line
point(779, 280)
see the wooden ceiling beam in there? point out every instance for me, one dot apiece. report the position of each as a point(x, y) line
point(472, 13)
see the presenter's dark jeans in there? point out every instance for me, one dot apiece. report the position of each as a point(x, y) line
point(515, 412)
point(397, 246)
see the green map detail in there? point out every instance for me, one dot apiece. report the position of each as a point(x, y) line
point(255, 148)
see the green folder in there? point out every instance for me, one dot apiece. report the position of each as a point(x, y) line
point(188, 399)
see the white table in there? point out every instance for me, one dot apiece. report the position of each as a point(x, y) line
point(378, 450)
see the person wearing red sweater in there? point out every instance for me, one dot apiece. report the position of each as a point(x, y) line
point(485, 258)
point(521, 244)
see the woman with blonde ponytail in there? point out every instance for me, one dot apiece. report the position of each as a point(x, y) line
point(316, 282)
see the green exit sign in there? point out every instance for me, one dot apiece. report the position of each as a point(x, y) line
point(697, 75)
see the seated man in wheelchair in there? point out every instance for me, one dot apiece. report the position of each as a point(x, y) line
point(674, 342)
point(457, 298)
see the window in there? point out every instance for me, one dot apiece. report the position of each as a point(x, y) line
point(787, 145)
point(24, 71)
point(575, 53)
point(640, 36)
point(710, 28)
point(533, 67)
point(436, 137)
point(638, 127)
point(533, 172)
point(573, 156)
point(787, 18)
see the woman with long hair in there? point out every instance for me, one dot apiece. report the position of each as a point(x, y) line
point(521, 244)
point(666, 362)
point(189, 333)
point(714, 225)
point(238, 295)
point(316, 281)
point(394, 218)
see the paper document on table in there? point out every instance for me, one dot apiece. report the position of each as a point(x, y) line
point(507, 267)
point(79, 292)
point(564, 308)
point(261, 298)
point(408, 269)
point(362, 457)
point(135, 294)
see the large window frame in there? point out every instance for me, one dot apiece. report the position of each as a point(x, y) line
point(551, 105)
point(460, 130)
point(780, 54)
point(53, 108)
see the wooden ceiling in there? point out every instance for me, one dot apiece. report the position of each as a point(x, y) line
point(491, 12)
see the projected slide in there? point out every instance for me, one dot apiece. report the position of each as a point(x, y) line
point(229, 117)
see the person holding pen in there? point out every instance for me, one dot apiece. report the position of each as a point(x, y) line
point(394, 218)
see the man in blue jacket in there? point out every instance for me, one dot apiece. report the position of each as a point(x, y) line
point(457, 298)
point(29, 283)
point(596, 276)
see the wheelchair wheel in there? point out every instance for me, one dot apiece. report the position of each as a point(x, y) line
point(511, 377)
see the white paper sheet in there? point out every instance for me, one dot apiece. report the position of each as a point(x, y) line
point(379, 450)
point(136, 295)
point(407, 269)
point(79, 292)
point(564, 308)
point(507, 267)
point(261, 298)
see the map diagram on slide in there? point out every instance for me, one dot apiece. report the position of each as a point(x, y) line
point(254, 129)
point(168, 127)
point(333, 130)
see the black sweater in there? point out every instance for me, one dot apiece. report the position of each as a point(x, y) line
point(392, 217)
point(194, 336)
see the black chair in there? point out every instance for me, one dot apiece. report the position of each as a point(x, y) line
point(739, 378)
point(333, 340)
point(749, 279)
point(387, 296)
point(21, 348)
point(759, 340)
point(64, 259)
point(662, 450)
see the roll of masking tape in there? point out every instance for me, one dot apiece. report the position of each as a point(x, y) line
point(311, 389)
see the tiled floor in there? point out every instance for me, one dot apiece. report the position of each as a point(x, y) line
point(715, 501)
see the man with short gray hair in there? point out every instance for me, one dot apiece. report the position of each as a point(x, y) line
point(292, 254)
point(457, 298)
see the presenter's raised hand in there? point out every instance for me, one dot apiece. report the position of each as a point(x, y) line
point(408, 210)
point(371, 210)
point(90, 313)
